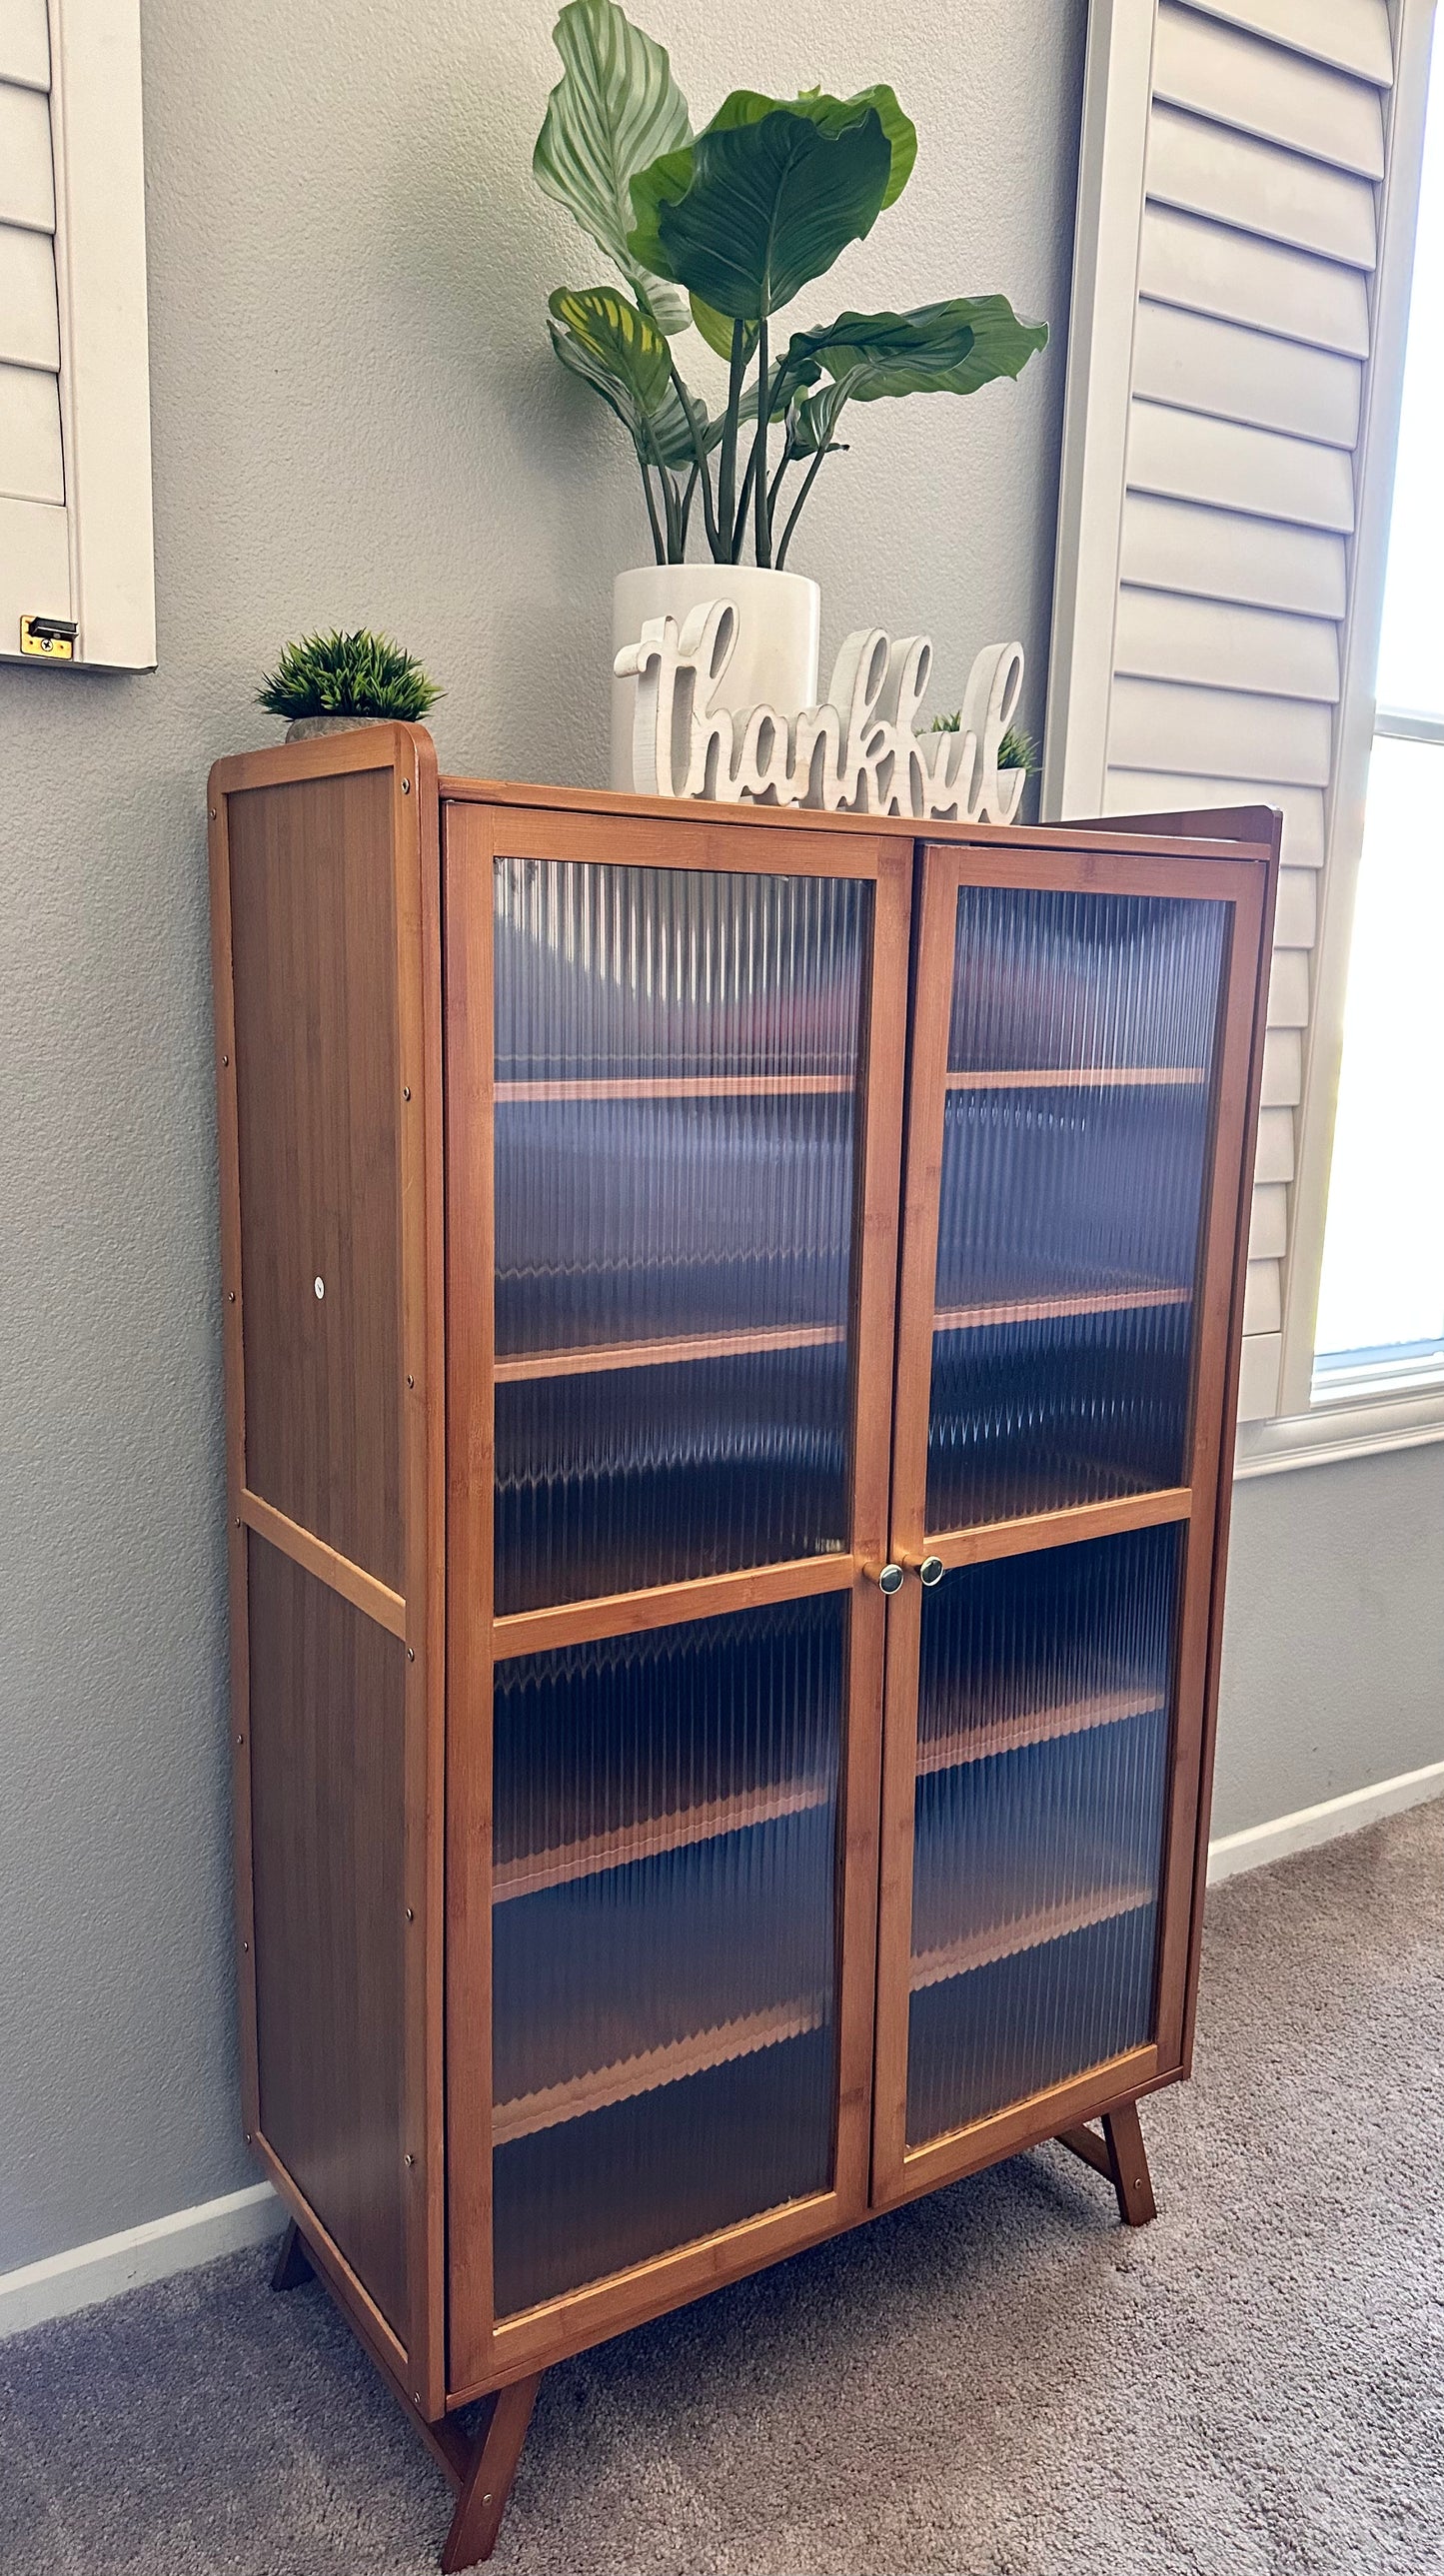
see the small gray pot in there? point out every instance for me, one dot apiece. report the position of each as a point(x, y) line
point(306, 728)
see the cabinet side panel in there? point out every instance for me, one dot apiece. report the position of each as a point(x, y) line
point(317, 1098)
point(328, 1690)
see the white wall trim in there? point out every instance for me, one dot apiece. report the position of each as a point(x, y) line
point(1348, 1814)
point(63, 2283)
point(1334, 1431)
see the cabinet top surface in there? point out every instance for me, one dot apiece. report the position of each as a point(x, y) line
point(1231, 831)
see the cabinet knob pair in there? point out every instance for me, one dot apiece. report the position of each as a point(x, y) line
point(890, 1577)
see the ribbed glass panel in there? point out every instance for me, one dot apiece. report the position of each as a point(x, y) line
point(1043, 1729)
point(676, 1056)
point(1075, 1149)
point(664, 2011)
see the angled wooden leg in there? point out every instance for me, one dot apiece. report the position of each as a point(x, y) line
point(1119, 2154)
point(487, 2480)
point(293, 2263)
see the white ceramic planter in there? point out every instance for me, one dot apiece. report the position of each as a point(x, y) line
point(774, 662)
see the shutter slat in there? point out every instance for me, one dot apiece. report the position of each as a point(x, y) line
point(1259, 187)
point(1220, 554)
point(1221, 72)
point(1199, 363)
point(1157, 791)
point(1258, 1377)
point(1297, 921)
point(1268, 1233)
point(35, 557)
point(1262, 1303)
point(1189, 458)
point(1353, 35)
point(1222, 732)
point(1283, 1068)
point(1289, 989)
point(31, 463)
point(25, 43)
point(1219, 645)
point(1275, 1160)
point(27, 173)
point(29, 317)
point(1183, 259)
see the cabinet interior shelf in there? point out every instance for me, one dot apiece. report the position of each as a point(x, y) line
point(1025, 1932)
point(979, 1743)
point(1080, 1301)
point(1074, 1077)
point(601, 2087)
point(665, 1351)
point(704, 1086)
point(527, 1873)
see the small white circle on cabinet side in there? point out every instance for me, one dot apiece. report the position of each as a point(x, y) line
point(320, 1287)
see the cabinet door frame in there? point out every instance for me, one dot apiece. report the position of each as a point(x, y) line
point(483, 2353)
point(1246, 886)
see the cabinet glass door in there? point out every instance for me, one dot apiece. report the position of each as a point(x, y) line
point(1077, 1094)
point(684, 1296)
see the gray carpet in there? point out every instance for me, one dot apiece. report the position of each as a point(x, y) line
point(995, 2382)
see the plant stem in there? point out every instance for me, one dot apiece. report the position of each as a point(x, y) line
point(788, 457)
point(744, 500)
point(809, 478)
point(727, 462)
point(702, 469)
point(762, 524)
point(685, 512)
point(661, 551)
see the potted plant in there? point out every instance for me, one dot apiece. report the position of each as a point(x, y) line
point(720, 232)
point(332, 683)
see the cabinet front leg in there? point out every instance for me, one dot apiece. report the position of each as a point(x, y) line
point(293, 2263)
point(1119, 2154)
point(486, 2484)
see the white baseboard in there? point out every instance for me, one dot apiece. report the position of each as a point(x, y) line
point(1309, 1825)
point(90, 2273)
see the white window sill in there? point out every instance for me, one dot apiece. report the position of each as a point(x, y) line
point(1347, 1425)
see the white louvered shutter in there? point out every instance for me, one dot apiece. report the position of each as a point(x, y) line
point(75, 509)
point(1232, 160)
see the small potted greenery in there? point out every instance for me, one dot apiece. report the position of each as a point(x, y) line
point(332, 683)
point(717, 233)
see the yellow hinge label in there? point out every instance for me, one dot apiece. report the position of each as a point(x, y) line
point(51, 638)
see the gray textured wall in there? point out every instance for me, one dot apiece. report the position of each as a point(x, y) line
point(356, 418)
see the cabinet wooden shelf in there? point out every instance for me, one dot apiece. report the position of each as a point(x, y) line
point(698, 2054)
point(643, 1224)
point(1036, 1310)
point(665, 1353)
point(526, 1873)
point(1025, 1932)
point(1077, 1077)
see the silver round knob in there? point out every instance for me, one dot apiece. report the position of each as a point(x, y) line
point(930, 1571)
point(890, 1579)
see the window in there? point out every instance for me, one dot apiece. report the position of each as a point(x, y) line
point(1381, 1300)
point(76, 572)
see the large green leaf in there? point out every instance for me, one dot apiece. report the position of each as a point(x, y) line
point(614, 110)
point(833, 114)
point(763, 201)
point(620, 353)
point(938, 348)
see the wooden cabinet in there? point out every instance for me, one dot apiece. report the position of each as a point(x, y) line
point(731, 1326)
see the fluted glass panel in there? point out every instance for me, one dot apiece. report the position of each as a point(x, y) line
point(676, 1057)
point(1043, 1728)
point(664, 1867)
point(1075, 1150)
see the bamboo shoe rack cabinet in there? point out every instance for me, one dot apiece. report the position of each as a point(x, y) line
point(731, 1328)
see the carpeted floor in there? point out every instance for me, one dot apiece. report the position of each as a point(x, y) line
point(994, 2382)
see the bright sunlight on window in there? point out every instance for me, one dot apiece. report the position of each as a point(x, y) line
point(1381, 1299)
